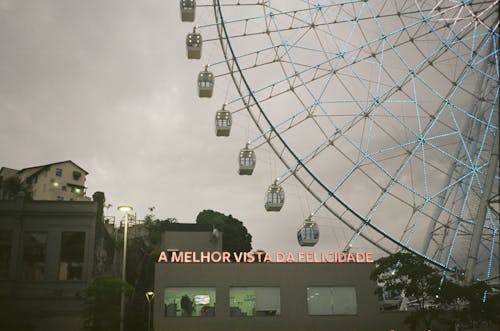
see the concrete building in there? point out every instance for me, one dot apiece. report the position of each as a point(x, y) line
point(191, 237)
point(63, 181)
point(261, 296)
point(49, 252)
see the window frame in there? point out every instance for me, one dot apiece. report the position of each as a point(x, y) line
point(207, 310)
point(277, 312)
point(44, 275)
point(82, 263)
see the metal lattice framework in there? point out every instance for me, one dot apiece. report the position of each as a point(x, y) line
point(385, 111)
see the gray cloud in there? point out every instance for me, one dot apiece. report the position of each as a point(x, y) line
point(106, 84)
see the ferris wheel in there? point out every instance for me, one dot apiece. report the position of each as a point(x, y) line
point(386, 112)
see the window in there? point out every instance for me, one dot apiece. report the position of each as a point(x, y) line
point(331, 301)
point(34, 252)
point(189, 301)
point(77, 175)
point(58, 172)
point(254, 301)
point(60, 198)
point(72, 252)
point(5, 252)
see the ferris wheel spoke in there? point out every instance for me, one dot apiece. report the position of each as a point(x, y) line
point(493, 256)
point(267, 135)
point(384, 191)
point(449, 255)
point(400, 127)
point(449, 42)
point(317, 152)
point(304, 83)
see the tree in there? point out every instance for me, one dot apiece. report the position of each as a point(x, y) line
point(440, 301)
point(143, 253)
point(13, 186)
point(102, 303)
point(141, 261)
point(466, 304)
point(409, 274)
point(154, 229)
point(236, 236)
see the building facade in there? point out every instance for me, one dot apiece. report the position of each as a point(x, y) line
point(49, 253)
point(63, 181)
point(262, 296)
point(191, 237)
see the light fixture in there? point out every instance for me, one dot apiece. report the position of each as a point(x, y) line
point(124, 209)
point(149, 296)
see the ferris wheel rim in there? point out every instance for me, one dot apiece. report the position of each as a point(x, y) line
point(365, 222)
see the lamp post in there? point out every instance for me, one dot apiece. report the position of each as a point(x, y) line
point(126, 210)
point(149, 296)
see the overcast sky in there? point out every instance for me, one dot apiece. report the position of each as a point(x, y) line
point(106, 84)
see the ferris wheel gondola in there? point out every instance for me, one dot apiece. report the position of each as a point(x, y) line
point(275, 197)
point(188, 8)
point(386, 115)
point(246, 161)
point(206, 83)
point(193, 45)
point(308, 234)
point(223, 122)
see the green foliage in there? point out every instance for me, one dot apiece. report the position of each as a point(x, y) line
point(13, 186)
point(155, 227)
point(466, 305)
point(141, 260)
point(236, 237)
point(439, 301)
point(102, 303)
point(408, 273)
point(492, 309)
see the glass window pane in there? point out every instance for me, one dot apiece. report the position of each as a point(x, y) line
point(319, 301)
point(331, 300)
point(189, 301)
point(72, 251)
point(344, 300)
point(34, 253)
point(5, 252)
point(254, 301)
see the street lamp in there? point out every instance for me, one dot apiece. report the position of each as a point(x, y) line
point(124, 209)
point(149, 296)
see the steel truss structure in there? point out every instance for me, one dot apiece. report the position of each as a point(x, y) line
point(385, 111)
